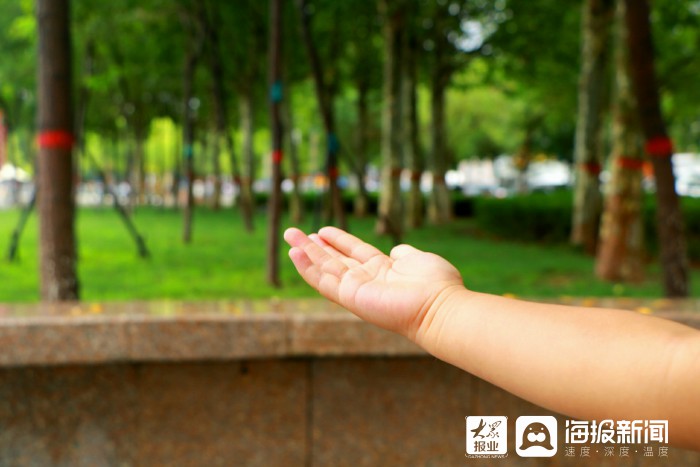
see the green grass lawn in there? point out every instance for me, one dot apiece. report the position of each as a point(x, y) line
point(225, 262)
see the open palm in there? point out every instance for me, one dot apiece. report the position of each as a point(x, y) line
point(396, 292)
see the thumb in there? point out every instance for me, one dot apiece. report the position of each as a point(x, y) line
point(401, 251)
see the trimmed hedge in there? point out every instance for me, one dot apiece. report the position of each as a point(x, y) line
point(546, 217)
point(542, 217)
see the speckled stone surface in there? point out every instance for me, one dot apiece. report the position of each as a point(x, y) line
point(292, 383)
point(341, 333)
point(189, 414)
point(389, 411)
point(180, 331)
point(321, 411)
point(82, 333)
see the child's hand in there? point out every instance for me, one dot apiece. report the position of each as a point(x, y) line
point(399, 292)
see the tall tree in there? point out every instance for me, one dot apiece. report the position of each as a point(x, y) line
point(451, 48)
point(325, 96)
point(276, 96)
point(676, 36)
point(588, 147)
point(57, 247)
point(243, 45)
point(621, 251)
point(18, 75)
point(294, 72)
point(190, 104)
point(674, 260)
point(296, 201)
point(123, 87)
point(390, 215)
point(440, 203)
point(363, 58)
point(210, 18)
point(413, 151)
point(539, 74)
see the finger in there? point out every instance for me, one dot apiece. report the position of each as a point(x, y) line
point(327, 258)
point(294, 236)
point(306, 269)
point(323, 244)
point(297, 238)
point(326, 284)
point(399, 251)
point(349, 244)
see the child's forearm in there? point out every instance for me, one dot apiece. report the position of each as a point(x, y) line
point(587, 363)
point(584, 362)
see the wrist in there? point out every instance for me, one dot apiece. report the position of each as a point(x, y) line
point(431, 324)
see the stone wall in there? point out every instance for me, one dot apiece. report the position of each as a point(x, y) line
point(283, 383)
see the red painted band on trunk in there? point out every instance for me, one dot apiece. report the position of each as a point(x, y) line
point(277, 156)
point(333, 173)
point(660, 146)
point(55, 139)
point(591, 168)
point(630, 163)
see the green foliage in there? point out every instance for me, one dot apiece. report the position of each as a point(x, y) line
point(511, 62)
point(676, 29)
point(537, 50)
point(17, 64)
point(484, 120)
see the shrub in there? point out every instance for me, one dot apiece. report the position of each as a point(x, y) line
point(546, 217)
point(535, 217)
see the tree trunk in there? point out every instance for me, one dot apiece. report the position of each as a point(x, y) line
point(592, 97)
point(131, 171)
point(188, 137)
point(177, 174)
point(221, 111)
point(4, 138)
point(411, 139)
point(275, 201)
point(361, 203)
point(216, 170)
point(390, 215)
point(57, 247)
point(325, 103)
point(248, 152)
point(621, 250)
point(140, 155)
point(296, 203)
point(440, 205)
point(674, 260)
point(83, 103)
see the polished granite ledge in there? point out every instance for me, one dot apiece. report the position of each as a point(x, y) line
point(92, 333)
